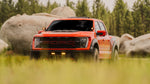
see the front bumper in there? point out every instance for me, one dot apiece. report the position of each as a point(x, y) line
point(59, 52)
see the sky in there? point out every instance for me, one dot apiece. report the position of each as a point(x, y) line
point(108, 3)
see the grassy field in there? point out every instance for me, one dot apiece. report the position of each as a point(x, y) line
point(21, 70)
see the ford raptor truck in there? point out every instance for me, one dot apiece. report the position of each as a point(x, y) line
point(73, 37)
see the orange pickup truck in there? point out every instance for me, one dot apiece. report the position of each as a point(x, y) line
point(73, 37)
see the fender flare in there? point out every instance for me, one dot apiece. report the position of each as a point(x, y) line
point(94, 41)
point(115, 46)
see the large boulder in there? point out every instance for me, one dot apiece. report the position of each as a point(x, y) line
point(18, 31)
point(139, 46)
point(124, 43)
point(135, 46)
point(3, 45)
point(64, 12)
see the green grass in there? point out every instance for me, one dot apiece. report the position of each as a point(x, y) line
point(21, 70)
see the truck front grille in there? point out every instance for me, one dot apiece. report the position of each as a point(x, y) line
point(59, 42)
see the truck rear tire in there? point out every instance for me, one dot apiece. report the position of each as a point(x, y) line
point(115, 55)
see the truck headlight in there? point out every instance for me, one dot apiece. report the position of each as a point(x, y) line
point(83, 42)
point(37, 42)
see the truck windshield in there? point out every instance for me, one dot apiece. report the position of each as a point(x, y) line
point(78, 25)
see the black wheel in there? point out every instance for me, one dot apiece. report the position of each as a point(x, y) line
point(115, 55)
point(35, 55)
point(96, 55)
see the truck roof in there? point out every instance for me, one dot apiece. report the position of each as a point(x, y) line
point(78, 18)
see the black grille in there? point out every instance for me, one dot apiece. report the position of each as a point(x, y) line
point(59, 42)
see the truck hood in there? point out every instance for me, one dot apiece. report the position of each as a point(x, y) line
point(65, 34)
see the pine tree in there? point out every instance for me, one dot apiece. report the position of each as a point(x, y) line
point(129, 26)
point(99, 10)
point(12, 8)
point(147, 15)
point(48, 8)
point(34, 6)
point(83, 9)
point(22, 6)
point(54, 5)
point(141, 17)
point(119, 12)
point(0, 14)
point(5, 10)
point(112, 24)
point(70, 4)
point(19, 6)
point(78, 9)
point(42, 8)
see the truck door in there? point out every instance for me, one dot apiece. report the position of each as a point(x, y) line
point(106, 51)
point(100, 39)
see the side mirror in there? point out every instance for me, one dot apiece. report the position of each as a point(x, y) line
point(44, 28)
point(40, 31)
point(101, 33)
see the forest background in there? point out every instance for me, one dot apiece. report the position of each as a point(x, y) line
point(118, 21)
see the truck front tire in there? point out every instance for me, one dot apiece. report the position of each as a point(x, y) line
point(35, 55)
point(96, 55)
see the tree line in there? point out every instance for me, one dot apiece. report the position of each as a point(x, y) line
point(119, 21)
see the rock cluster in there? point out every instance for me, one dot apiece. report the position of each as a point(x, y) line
point(135, 46)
